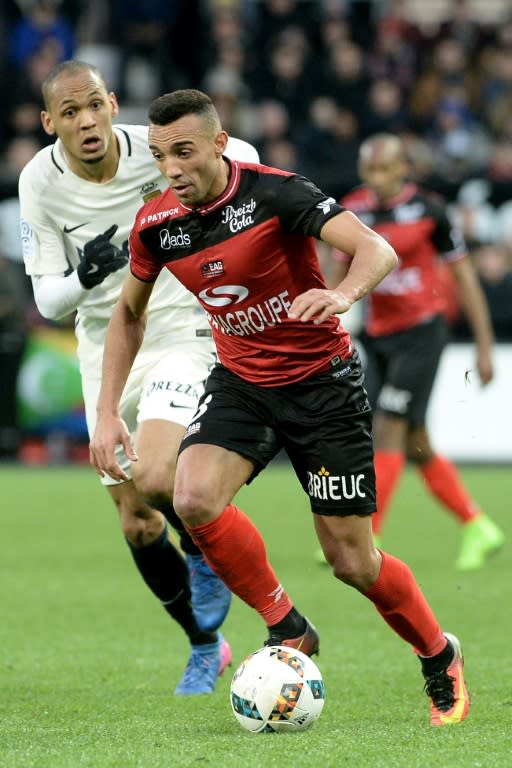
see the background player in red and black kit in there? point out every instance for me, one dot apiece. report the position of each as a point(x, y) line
point(406, 331)
point(241, 237)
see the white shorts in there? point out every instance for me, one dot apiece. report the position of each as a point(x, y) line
point(160, 386)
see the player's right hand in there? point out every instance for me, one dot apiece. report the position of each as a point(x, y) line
point(100, 258)
point(110, 431)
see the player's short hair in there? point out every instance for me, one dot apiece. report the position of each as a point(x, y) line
point(70, 67)
point(187, 101)
point(391, 141)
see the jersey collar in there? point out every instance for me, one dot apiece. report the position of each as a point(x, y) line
point(406, 193)
point(233, 182)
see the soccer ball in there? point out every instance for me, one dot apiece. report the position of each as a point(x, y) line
point(277, 689)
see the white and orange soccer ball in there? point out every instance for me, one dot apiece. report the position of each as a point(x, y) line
point(277, 689)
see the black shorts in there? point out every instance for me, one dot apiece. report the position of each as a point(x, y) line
point(323, 424)
point(401, 369)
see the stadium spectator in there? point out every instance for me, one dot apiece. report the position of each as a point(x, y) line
point(151, 35)
point(345, 78)
point(392, 55)
point(461, 145)
point(14, 296)
point(464, 28)
point(40, 26)
point(78, 199)
point(406, 333)
point(296, 384)
point(473, 214)
point(328, 146)
point(286, 79)
point(271, 123)
point(275, 17)
point(24, 102)
point(493, 265)
point(384, 110)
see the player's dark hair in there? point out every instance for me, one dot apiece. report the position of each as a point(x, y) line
point(70, 67)
point(385, 139)
point(187, 101)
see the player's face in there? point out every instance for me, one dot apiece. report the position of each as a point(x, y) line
point(383, 171)
point(190, 158)
point(80, 113)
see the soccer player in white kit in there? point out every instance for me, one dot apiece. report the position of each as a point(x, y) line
point(78, 201)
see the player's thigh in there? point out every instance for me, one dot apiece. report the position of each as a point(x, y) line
point(174, 382)
point(156, 443)
point(128, 409)
point(207, 478)
point(229, 440)
point(168, 399)
point(373, 367)
point(390, 432)
point(326, 430)
point(412, 362)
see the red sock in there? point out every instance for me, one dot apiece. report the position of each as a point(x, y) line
point(235, 551)
point(444, 482)
point(401, 603)
point(388, 468)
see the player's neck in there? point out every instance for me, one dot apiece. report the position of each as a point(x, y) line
point(222, 180)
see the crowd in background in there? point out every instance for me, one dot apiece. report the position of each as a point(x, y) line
point(303, 80)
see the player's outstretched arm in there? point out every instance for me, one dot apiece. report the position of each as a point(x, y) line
point(123, 340)
point(372, 259)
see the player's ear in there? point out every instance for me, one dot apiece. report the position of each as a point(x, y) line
point(221, 141)
point(47, 123)
point(114, 105)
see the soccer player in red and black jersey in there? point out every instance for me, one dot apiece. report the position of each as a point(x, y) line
point(241, 237)
point(406, 331)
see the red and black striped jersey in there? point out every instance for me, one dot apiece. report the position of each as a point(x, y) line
point(246, 256)
point(416, 225)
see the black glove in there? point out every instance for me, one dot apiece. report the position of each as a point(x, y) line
point(100, 258)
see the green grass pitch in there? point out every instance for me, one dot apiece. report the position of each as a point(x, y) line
point(89, 660)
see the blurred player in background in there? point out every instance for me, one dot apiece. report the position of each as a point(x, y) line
point(242, 237)
point(405, 334)
point(78, 201)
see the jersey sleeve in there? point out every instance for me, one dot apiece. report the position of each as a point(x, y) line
point(447, 237)
point(43, 248)
point(303, 207)
point(142, 265)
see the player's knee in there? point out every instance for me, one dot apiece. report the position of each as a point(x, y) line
point(142, 526)
point(419, 452)
point(419, 458)
point(355, 571)
point(193, 507)
point(154, 483)
point(139, 522)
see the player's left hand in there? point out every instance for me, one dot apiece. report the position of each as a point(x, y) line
point(110, 431)
point(318, 304)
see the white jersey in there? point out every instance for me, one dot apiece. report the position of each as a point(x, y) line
point(60, 212)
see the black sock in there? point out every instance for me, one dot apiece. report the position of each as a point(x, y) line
point(432, 664)
point(165, 572)
point(186, 543)
point(293, 625)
